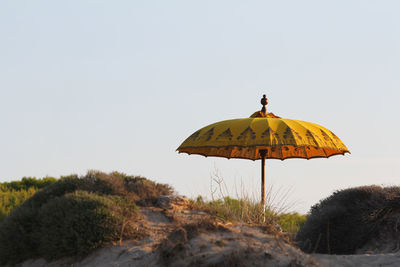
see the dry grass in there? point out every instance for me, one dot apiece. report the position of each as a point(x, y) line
point(246, 208)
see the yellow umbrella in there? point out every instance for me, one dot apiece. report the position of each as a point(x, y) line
point(264, 135)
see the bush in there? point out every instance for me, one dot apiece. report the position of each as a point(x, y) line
point(11, 199)
point(77, 223)
point(346, 220)
point(75, 215)
point(137, 188)
point(146, 191)
point(291, 223)
point(26, 183)
point(19, 231)
point(13, 194)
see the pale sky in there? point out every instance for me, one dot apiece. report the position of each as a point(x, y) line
point(118, 85)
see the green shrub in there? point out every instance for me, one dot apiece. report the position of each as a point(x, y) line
point(13, 194)
point(26, 183)
point(291, 223)
point(11, 199)
point(77, 223)
point(18, 231)
point(146, 191)
point(75, 215)
point(346, 220)
point(137, 188)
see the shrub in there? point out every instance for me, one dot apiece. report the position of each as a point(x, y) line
point(291, 223)
point(346, 220)
point(146, 191)
point(11, 199)
point(75, 215)
point(13, 194)
point(18, 231)
point(26, 183)
point(77, 223)
point(137, 188)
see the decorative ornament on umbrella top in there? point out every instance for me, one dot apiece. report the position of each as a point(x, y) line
point(264, 102)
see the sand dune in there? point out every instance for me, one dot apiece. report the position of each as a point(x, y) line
point(176, 236)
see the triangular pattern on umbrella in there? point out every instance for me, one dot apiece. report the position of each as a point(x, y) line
point(281, 138)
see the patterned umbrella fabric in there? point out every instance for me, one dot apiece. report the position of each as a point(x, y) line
point(264, 135)
point(280, 138)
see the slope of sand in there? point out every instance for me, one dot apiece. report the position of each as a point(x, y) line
point(176, 236)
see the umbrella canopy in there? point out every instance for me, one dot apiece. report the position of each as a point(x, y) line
point(264, 135)
point(279, 138)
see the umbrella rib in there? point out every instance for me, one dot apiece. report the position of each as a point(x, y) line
point(323, 149)
point(305, 152)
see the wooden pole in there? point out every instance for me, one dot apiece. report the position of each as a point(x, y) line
point(263, 154)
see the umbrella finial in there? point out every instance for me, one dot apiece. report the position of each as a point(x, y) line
point(264, 102)
point(263, 113)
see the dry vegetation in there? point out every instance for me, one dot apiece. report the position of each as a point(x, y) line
point(245, 208)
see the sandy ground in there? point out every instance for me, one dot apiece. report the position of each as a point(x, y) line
point(389, 259)
point(182, 237)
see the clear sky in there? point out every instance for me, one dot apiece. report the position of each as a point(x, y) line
point(118, 85)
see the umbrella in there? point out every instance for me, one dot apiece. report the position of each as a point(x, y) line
point(264, 136)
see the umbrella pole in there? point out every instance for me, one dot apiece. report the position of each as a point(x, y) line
point(263, 154)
